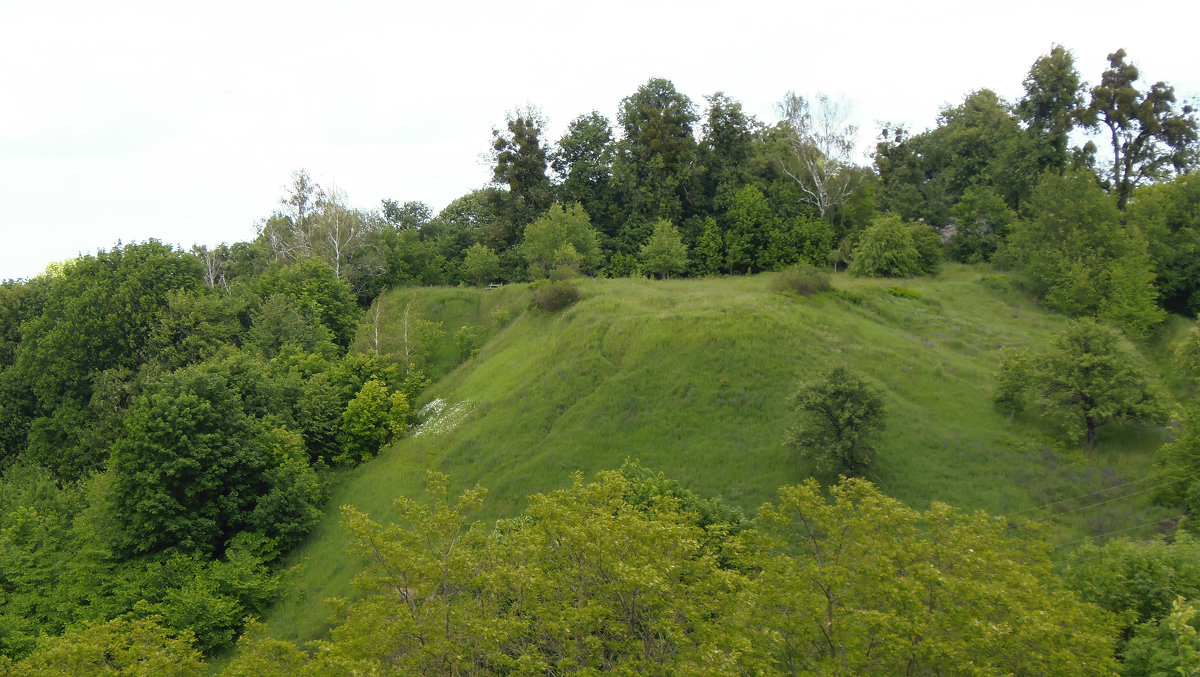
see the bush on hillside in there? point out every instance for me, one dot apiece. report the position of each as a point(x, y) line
point(887, 249)
point(802, 279)
point(553, 296)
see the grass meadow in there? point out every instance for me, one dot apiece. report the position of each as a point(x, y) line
point(693, 378)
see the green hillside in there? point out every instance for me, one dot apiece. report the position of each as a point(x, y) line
point(692, 378)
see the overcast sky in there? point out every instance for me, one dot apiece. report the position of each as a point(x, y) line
point(182, 121)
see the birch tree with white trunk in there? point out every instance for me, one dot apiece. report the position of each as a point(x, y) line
point(821, 139)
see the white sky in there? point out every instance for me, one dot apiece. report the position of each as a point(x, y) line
point(182, 121)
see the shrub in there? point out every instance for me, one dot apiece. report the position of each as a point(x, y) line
point(839, 416)
point(904, 292)
point(802, 279)
point(887, 249)
point(553, 296)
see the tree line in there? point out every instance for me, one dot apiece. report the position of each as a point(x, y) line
point(1086, 186)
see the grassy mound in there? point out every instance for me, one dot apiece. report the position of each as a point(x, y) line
point(692, 378)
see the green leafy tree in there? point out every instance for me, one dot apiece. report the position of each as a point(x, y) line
point(1169, 646)
point(982, 221)
point(1088, 380)
point(519, 163)
point(193, 328)
point(655, 163)
point(1140, 583)
point(293, 493)
point(1168, 214)
point(481, 265)
point(116, 648)
point(278, 323)
point(725, 150)
point(583, 160)
point(399, 414)
point(1150, 138)
point(365, 423)
point(887, 249)
point(1179, 462)
point(1082, 260)
point(466, 339)
point(558, 227)
point(861, 584)
point(1052, 105)
point(840, 414)
point(664, 253)
point(709, 254)
point(977, 143)
point(628, 574)
point(317, 293)
point(750, 221)
point(929, 246)
point(98, 315)
point(187, 470)
point(800, 240)
point(1013, 381)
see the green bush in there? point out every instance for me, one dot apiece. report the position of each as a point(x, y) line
point(904, 292)
point(802, 279)
point(553, 296)
point(887, 249)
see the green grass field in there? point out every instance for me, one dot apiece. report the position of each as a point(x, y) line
point(693, 377)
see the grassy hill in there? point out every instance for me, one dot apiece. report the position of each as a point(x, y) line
point(692, 378)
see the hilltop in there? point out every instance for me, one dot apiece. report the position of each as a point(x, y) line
point(692, 378)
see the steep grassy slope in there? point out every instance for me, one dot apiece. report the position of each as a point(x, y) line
point(692, 377)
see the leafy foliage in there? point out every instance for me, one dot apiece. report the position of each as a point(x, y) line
point(840, 414)
point(803, 279)
point(117, 648)
point(1168, 214)
point(664, 253)
point(317, 293)
point(1085, 381)
point(1083, 262)
point(887, 249)
point(628, 573)
point(1149, 137)
point(554, 296)
point(187, 469)
point(546, 238)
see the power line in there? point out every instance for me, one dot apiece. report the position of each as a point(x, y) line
point(1092, 505)
point(1072, 498)
point(1118, 531)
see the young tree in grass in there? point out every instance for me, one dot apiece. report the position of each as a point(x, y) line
point(1012, 381)
point(1088, 379)
point(840, 414)
point(664, 253)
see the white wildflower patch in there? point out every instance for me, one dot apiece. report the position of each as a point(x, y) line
point(440, 417)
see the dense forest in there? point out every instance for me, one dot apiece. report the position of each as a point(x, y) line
point(171, 421)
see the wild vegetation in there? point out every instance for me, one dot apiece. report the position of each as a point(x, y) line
point(199, 448)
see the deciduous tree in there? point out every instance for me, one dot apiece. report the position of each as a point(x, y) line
point(822, 142)
point(1149, 136)
point(1082, 260)
point(664, 253)
point(840, 414)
